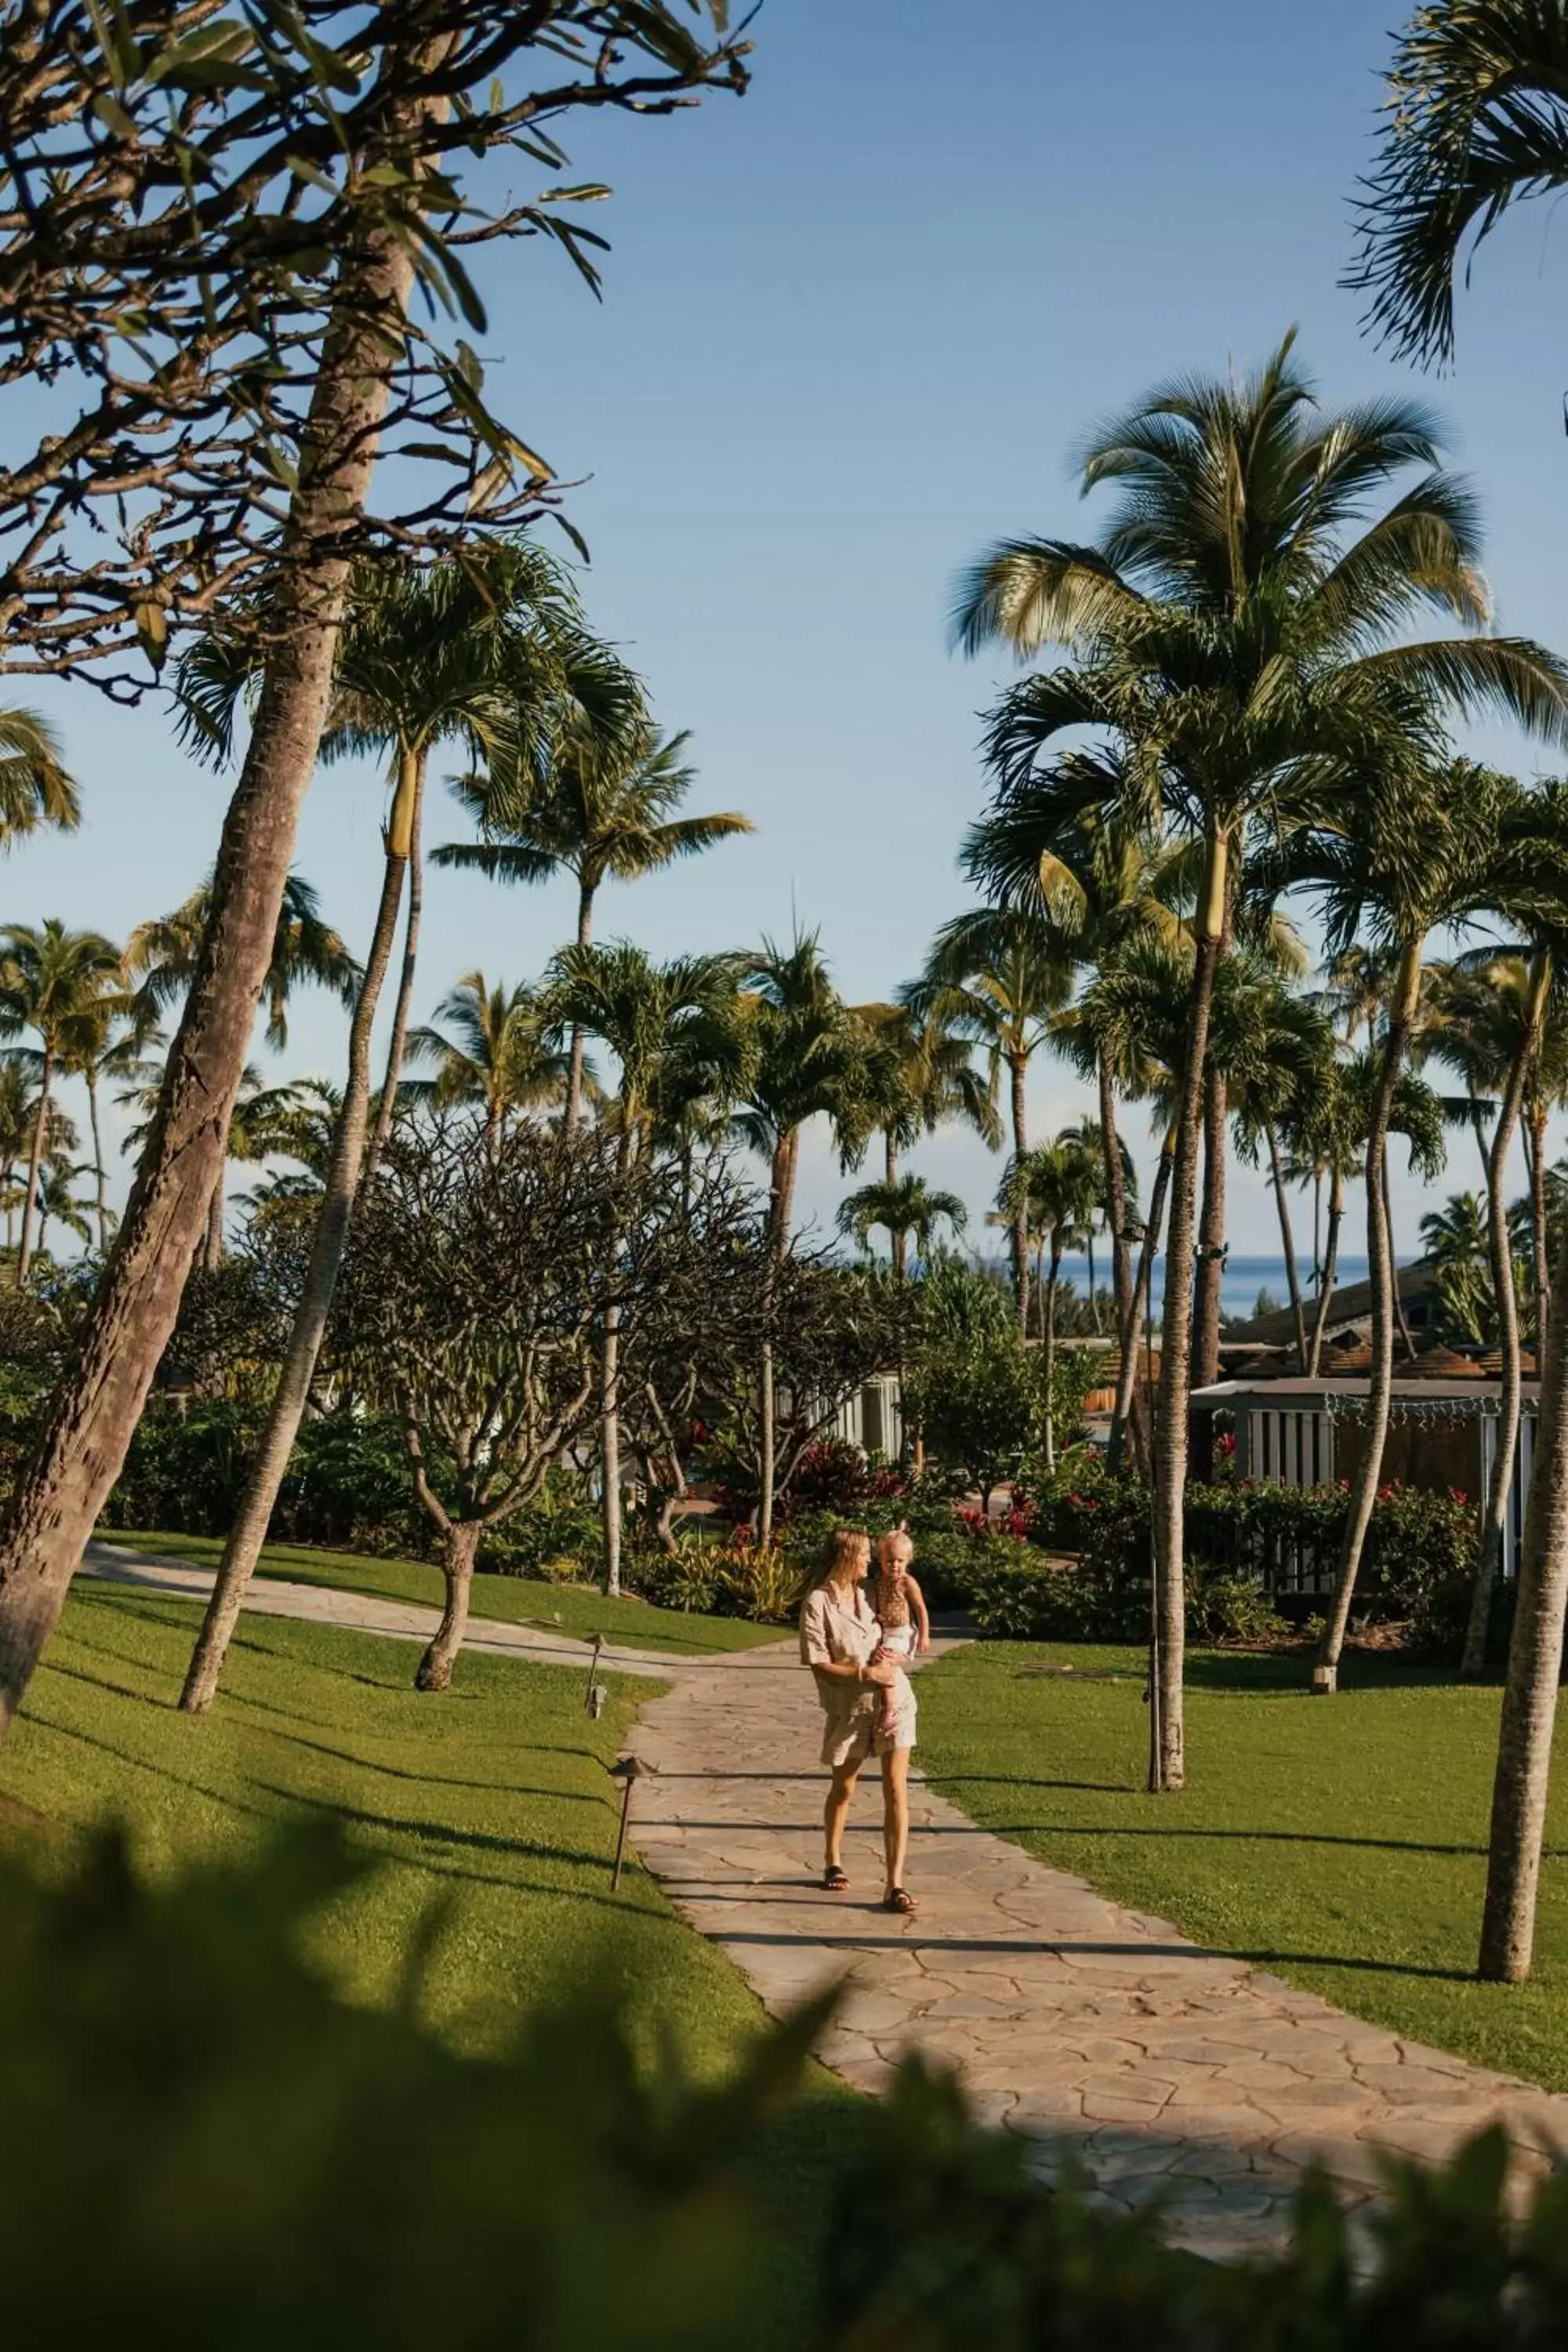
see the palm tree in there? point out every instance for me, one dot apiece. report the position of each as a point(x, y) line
point(1474, 122)
point(34, 789)
point(58, 1203)
point(598, 802)
point(1409, 850)
point(998, 977)
point(1102, 884)
point(639, 1009)
point(1056, 1189)
point(49, 976)
point(1454, 1239)
point(306, 952)
point(18, 1125)
point(493, 1049)
point(906, 1209)
point(922, 1069)
point(808, 1060)
point(1235, 636)
point(1276, 1070)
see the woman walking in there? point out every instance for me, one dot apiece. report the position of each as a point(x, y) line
point(841, 1642)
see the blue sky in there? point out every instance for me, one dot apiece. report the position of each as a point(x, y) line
point(853, 327)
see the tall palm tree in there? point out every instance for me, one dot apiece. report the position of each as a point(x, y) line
point(908, 1209)
point(49, 976)
point(1272, 1084)
point(1236, 637)
point(1454, 1240)
point(807, 1061)
point(18, 1126)
point(639, 1009)
point(1101, 884)
point(490, 1046)
point(1474, 123)
point(162, 953)
point(599, 802)
point(923, 1070)
point(999, 976)
point(35, 790)
point(1056, 1189)
point(58, 1202)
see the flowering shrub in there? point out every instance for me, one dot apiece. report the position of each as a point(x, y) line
point(834, 1475)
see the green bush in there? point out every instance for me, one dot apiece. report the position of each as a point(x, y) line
point(208, 2147)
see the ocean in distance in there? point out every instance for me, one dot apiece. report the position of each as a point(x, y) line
point(1245, 1276)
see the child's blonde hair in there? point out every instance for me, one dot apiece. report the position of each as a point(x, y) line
point(898, 1545)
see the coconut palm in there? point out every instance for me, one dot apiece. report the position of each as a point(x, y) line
point(48, 977)
point(1275, 1073)
point(35, 790)
point(1056, 1189)
point(923, 1070)
point(908, 1209)
point(58, 1202)
point(490, 1046)
point(1474, 122)
point(808, 1060)
point(18, 1126)
point(1454, 1238)
point(998, 977)
point(599, 802)
point(306, 952)
point(639, 1009)
point(1236, 640)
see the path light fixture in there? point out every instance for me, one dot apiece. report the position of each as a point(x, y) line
point(595, 1694)
point(627, 1771)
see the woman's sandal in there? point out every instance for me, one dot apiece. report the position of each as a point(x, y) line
point(898, 1898)
point(833, 1879)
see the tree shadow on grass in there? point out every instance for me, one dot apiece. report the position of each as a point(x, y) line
point(1163, 1834)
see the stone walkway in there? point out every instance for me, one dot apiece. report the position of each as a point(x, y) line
point(363, 1613)
point(1097, 2032)
point(1102, 2035)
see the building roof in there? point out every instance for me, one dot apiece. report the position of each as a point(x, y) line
point(1295, 1390)
point(1351, 1303)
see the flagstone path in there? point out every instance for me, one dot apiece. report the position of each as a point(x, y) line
point(1102, 2035)
point(1097, 2032)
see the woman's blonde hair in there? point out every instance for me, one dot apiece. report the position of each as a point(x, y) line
point(847, 1548)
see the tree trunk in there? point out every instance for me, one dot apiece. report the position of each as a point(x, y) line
point(1330, 1268)
point(212, 1239)
point(1363, 1492)
point(574, 1075)
point(780, 1203)
point(99, 1171)
point(1168, 1761)
point(1530, 1694)
point(1287, 1235)
point(25, 1256)
point(1541, 1267)
point(435, 1670)
point(59, 1497)
point(1018, 1067)
point(1048, 1353)
point(1210, 1275)
point(1489, 1565)
point(397, 1044)
point(1124, 1418)
point(1402, 1320)
point(610, 1447)
point(1093, 1299)
point(328, 1242)
point(889, 1157)
point(1116, 1209)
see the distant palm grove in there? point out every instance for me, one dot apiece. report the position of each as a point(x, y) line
point(521, 1284)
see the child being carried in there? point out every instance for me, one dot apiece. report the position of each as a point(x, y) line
point(899, 1605)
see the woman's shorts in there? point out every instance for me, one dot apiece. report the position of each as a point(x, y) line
point(854, 1729)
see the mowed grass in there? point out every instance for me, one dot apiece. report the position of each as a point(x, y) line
point(488, 1817)
point(510, 1600)
point(1341, 1843)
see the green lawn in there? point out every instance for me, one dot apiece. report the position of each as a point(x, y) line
point(1340, 1842)
point(511, 1600)
point(492, 1800)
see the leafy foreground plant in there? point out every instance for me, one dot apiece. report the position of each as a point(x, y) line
point(253, 2155)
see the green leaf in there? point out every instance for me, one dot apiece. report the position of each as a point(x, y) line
point(470, 365)
point(153, 628)
point(303, 169)
point(433, 450)
point(112, 116)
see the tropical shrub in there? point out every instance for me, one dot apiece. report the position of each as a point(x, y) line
point(264, 2163)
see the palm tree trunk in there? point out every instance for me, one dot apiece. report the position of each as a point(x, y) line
point(1093, 1299)
point(1478, 1128)
point(889, 1156)
point(212, 1240)
point(1364, 1491)
point(610, 1448)
point(1407, 1339)
point(1330, 1268)
point(1018, 1065)
point(434, 1669)
point(1542, 1272)
point(575, 1075)
point(1116, 1209)
point(1501, 1242)
point(1288, 1237)
point(1048, 1353)
point(328, 1242)
point(34, 1170)
point(1530, 1694)
point(1167, 1757)
point(1123, 1419)
point(58, 1498)
point(397, 1044)
point(781, 1205)
point(1211, 1234)
point(99, 1171)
